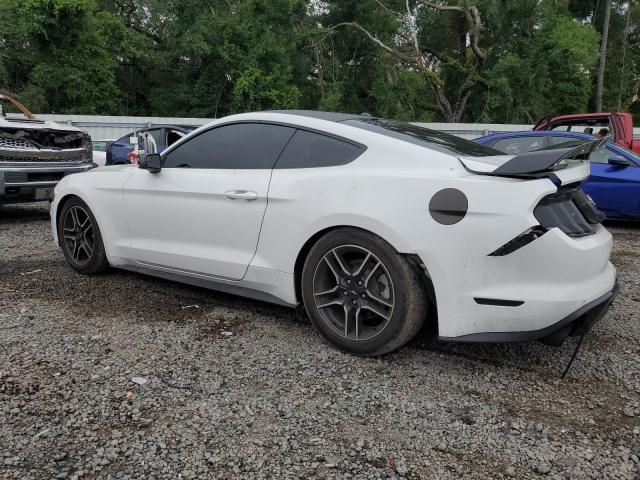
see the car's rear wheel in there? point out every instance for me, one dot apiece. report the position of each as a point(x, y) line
point(362, 295)
point(80, 238)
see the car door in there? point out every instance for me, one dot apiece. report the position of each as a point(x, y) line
point(118, 150)
point(614, 189)
point(202, 213)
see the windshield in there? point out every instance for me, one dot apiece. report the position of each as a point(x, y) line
point(439, 141)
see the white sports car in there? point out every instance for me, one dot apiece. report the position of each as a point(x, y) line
point(373, 226)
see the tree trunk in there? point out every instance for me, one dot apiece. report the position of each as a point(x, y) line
point(603, 56)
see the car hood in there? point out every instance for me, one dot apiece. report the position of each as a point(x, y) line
point(23, 123)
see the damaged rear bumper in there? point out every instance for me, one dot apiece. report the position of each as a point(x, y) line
point(580, 321)
point(575, 324)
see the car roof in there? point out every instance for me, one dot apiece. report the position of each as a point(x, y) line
point(578, 116)
point(329, 116)
point(533, 133)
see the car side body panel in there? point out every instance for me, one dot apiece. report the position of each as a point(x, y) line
point(211, 233)
point(389, 190)
point(101, 190)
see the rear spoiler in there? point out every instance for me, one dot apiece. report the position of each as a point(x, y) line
point(542, 161)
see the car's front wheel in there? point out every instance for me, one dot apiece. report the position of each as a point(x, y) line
point(80, 238)
point(362, 295)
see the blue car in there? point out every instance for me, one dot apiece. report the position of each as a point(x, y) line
point(614, 184)
point(164, 135)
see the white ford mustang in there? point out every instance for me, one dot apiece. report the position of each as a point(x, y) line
point(373, 226)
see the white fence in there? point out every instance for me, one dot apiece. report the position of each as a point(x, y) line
point(110, 127)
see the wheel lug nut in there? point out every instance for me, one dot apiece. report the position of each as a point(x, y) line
point(354, 302)
point(363, 296)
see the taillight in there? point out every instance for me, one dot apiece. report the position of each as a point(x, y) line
point(569, 210)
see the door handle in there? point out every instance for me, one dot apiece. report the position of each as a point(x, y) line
point(241, 195)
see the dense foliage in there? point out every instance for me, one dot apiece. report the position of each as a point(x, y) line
point(410, 60)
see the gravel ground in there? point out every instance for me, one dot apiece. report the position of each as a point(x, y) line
point(124, 376)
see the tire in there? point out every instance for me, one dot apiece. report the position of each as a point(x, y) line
point(361, 295)
point(80, 238)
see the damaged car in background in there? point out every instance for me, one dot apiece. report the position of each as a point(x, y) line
point(36, 154)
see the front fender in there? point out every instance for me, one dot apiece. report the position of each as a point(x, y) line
point(102, 191)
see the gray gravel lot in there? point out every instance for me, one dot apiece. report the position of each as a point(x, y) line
point(125, 376)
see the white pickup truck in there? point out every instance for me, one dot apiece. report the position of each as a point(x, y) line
point(35, 154)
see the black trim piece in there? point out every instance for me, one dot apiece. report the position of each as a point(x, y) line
point(520, 241)
point(577, 323)
point(209, 284)
point(537, 161)
point(498, 302)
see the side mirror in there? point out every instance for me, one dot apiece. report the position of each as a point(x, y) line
point(151, 162)
point(618, 161)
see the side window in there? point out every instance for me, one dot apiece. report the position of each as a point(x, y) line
point(590, 127)
point(601, 156)
point(519, 145)
point(236, 146)
point(312, 150)
point(173, 136)
point(566, 142)
point(558, 140)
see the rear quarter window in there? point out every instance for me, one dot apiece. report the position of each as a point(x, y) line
point(313, 150)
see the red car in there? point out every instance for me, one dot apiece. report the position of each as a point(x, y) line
point(619, 125)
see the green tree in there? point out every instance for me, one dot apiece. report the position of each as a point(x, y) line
point(543, 64)
point(440, 42)
point(56, 57)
